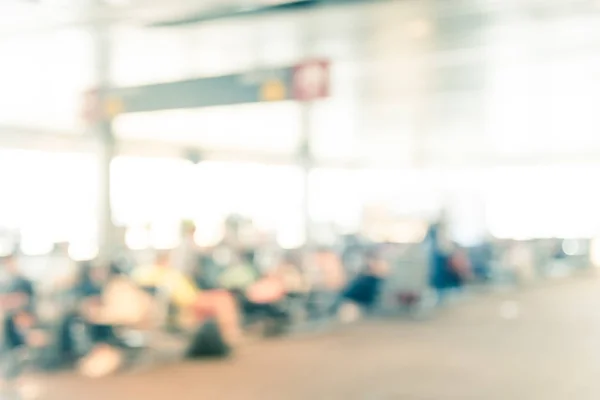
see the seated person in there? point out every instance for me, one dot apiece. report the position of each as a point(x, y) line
point(328, 278)
point(19, 326)
point(88, 291)
point(206, 272)
point(290, 273)
point(364, 290)
point(18, 304)
point(257, 296)
point(239, 274)
point(193, 305)
point(109, 301)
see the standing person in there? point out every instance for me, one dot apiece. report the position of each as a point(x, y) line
point(329, 278)
point(185, 256)
point(520, 262)
point(481, 258)
point(440, 249)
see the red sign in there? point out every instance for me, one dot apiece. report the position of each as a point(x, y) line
point(311, 80)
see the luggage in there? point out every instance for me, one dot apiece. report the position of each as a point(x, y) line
point(208, 341)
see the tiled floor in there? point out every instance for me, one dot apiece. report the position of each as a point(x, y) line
point(541, 343)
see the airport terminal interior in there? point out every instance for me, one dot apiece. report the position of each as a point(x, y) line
point(336, 199)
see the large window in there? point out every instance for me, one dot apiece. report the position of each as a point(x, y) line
point(559, 201)
point(49, 197)
point(43, 77)
point(272, 128)
point(269, 195)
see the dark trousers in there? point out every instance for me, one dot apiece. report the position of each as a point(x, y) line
point(363, 290)
point(14, 348)
point(74, 343)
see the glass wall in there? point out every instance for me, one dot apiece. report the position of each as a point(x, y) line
point(559, 201)
point(49, 198)
point(43, 76)
point(52, 197)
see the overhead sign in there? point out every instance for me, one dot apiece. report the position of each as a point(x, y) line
point(305, 82)
point(274, 90)
point(252, 87)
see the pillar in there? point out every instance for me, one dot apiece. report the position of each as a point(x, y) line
point(103, 132)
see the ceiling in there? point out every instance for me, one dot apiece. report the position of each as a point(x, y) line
point(21, 16)
point(472, 37)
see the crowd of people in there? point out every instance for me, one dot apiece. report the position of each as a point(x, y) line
point(206, 298)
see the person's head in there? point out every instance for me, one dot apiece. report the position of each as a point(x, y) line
point(249, 256)
point(100, 274)
point(223, 256)
point(163, 259)
point(10, 264)
point(84, 272)
point(237, 257)
point(188, 229)
point(115, 269)
point(376, 265)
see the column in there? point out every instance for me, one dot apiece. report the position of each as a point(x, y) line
point(305, 150)
point(306, 161)
point(102, 130)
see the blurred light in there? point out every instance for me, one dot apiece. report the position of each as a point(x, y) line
point(408, 233)
point(32, 245)
point(137, 238)
point(7, 246)
point(595, 252)
point(571, 247)
point(31, 390)
point(209, 235)
point(324, 235)
point(165, 235)
point(291, 237)
point(83, 251)
point(349, 312)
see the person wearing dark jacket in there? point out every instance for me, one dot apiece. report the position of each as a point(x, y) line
point(18, 302)
point(364, 290)
point(87, 290)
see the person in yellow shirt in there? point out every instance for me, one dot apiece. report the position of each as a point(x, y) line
point(193, 305)
point(161, 277)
